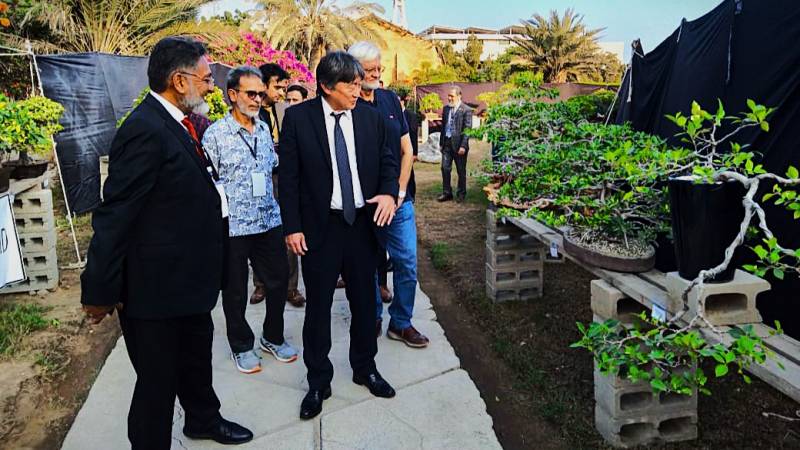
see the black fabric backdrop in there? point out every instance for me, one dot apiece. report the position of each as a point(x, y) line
point(96, 90)
point(742, 49)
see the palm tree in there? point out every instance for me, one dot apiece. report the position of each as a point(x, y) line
point(311, 27)
point(127, 27)
point(561, 47)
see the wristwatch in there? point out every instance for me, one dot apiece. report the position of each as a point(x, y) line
point(401, 194)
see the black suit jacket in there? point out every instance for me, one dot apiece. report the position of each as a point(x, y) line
point(413, 125)
point(462, 120)
point(158, 235)
point(306, 171)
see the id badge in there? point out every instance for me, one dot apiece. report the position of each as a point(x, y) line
point(223, 199)
point(259, 184)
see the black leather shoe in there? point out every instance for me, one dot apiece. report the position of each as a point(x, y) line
point(444, 198)
point(224, 432)
point(376, 384)
point(312, 403)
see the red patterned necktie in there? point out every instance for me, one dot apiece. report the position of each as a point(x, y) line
point(193, 133)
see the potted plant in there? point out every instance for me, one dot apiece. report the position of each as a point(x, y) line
point(429, 104)
point(598, 184)
point(28, 127)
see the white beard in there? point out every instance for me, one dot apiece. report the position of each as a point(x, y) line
point(370, 86)
point(202, 109)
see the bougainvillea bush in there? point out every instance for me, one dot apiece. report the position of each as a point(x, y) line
point(254, 51)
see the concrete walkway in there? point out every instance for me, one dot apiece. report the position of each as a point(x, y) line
point(437, 405)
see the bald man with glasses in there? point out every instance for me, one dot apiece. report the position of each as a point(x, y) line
point(241, 147)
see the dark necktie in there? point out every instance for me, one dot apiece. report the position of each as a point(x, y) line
point(197, 147)
point(345, 177)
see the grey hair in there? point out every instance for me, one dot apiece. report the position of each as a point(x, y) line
point(456, 88)
point(336, 67)
point(365, 51)
point(235, 75)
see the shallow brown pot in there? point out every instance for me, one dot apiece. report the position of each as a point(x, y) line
point(610, 262)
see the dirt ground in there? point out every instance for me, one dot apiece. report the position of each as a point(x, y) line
point(539, 391)
point(43, 386)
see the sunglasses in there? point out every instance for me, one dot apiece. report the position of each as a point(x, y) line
point(252, 95)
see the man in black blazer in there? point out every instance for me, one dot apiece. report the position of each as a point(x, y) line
point(157, 253)
point(338, 182)
point(456, 119)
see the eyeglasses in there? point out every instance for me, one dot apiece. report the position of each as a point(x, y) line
point(207, 80)
point(376, 69)
point(252, 95)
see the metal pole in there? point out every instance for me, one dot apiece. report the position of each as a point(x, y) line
point(58, 164)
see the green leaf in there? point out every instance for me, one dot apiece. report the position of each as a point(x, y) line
point(760, 251)
point(658, 385)
point(765, 126)
point(792, 172)
point(721, 370)
point(778, 273)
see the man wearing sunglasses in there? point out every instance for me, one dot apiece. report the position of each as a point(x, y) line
point(241, 148)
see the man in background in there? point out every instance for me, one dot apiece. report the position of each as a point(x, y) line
point(456, 119)
point(296, 94)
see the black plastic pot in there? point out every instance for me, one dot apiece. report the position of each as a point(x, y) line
point(5, 174)
point(705, 220)
point(24, 171)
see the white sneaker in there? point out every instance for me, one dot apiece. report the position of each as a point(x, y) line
point(247, 362)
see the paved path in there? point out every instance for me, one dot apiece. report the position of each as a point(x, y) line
point(437, 405)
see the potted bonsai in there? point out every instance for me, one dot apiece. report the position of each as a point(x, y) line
point(28, 127)
point(429, 104)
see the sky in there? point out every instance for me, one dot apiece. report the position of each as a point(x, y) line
point(624, 20)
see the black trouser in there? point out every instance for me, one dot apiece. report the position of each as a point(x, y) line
point(450, 154)
point(171, 357)
point(267, 254)
point(351, 251)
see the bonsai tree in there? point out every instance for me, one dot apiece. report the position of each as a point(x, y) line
point(430, 103)
point(663, 353)
point(28, 126)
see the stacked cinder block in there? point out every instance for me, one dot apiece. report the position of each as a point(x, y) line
point(33, 212)
point(514, 262)
point(628, 414)
point(728, 303)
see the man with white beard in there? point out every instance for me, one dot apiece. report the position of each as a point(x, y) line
point(156, 256)
point(241, 147)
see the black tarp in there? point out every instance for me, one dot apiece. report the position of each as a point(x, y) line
point(96, 90)
point(742, 49)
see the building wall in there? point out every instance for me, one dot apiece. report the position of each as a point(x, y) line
point(408, 50)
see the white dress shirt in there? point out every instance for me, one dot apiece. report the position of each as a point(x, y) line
point(346, 123)
point(173, 110)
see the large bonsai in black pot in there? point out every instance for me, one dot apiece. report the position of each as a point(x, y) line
point(713, 201)
point(27, 128)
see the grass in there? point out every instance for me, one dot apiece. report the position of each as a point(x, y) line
point(440, 255)
point(17, 321)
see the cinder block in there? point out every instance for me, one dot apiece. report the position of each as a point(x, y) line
point(521, 277)
point(514, 258)
point(494, 224)
point(37, 281)
point(728, 303)
point(646, 430)
point(40, 261)
point(609, 302)
point(33, 202)
point(622, 398)
point(36, 223)
point(512, 239)
point(499, 295)
point(37, 242)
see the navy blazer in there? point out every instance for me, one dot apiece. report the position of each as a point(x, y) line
point(159, 233)
point(306, 174)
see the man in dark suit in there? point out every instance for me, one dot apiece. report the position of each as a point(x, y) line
point(157, 253)
point(456, 119)
point(338, 182)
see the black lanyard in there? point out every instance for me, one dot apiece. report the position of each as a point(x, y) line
point(252, 149)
